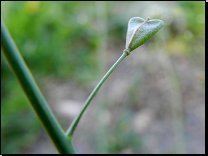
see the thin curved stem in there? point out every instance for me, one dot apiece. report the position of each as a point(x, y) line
point(73, 126)
point(25, 78)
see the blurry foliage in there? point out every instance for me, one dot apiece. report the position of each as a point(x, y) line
point(19, 123)
point(124, 137)
point(59, 39)
point(53, 38)
point(187, 31)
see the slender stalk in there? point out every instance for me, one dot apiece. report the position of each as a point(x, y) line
point(21, 71)
point(73, 126)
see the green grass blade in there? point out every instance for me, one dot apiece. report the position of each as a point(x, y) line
point(25, 78)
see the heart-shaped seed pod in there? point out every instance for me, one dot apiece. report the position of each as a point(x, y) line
point(140, 30)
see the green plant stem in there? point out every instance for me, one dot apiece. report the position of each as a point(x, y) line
point(21, 71)
point(73, 126)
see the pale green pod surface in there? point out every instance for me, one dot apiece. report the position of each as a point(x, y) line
point(140, 30)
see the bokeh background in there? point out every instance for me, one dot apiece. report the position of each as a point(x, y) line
point(154, 101)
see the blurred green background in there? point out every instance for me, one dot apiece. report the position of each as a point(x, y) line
point(154, 101)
